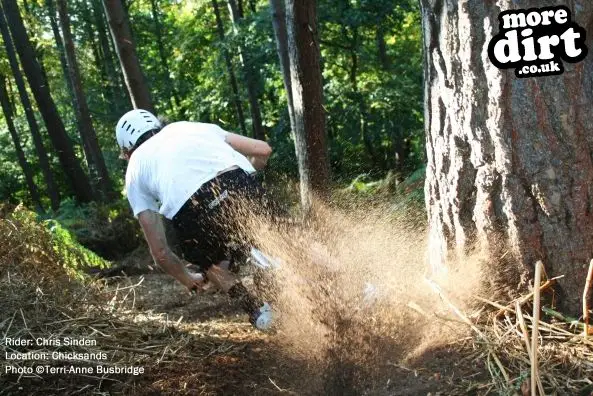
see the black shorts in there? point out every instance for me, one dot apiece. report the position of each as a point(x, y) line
point(210, 225)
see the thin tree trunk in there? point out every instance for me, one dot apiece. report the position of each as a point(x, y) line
point(252, 5)
point(116, 80)
point(509, 160)
point(279, 25)
point(78, 179)
point(240, 8)
point(230, 70)
point(87, 132)
point(52, 189)
point(359, 99)
point(305, 71)
point(38, 50)
point(60, 47)
point(400, 149)
point(6, 107)
point(108, 93)
point(251, 77)
point(126, 52)
point(159, 35)
point(382, 46)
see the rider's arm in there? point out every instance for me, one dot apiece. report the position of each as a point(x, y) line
point(154, 232)
point(257, 151)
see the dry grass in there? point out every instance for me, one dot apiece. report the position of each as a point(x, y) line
point(501, 341)
point(42, 299)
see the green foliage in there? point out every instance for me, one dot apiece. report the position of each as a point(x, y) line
point(109, 230)
point(409, 195)
point(405, 195)
point(74, 257)
point(372, 82)
point(73, 254)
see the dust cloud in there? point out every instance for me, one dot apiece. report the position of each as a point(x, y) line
point(351, 295)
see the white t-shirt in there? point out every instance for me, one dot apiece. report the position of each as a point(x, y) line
point(171, 165)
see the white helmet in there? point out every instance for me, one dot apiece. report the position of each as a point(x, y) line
point(134, 124)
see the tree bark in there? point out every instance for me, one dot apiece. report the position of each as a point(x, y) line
point(306, 83)
point(251, 77)
point(76, 176)
point(279, 25)
point(509, 160)
point(52, 189)
point(230, 70)
point(126, 52)
point(6, 108)
point(93, 152)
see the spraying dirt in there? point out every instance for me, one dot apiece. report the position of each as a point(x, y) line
point(352, 297)
point(355, 317)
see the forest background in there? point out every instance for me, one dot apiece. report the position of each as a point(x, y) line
point(371, 62)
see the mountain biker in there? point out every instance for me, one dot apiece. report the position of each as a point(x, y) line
point(200, 177)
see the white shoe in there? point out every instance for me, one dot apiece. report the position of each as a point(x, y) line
point(259, 259)
point(263, 318)
point(370, 295)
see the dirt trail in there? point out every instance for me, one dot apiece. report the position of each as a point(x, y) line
point(328, 341)
point(232, 358)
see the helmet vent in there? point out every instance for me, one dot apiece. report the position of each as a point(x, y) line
point(135, 122)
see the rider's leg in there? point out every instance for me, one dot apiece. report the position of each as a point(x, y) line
point(228, 282)
point(209, 223)
point(221, 277)
point(259, 312)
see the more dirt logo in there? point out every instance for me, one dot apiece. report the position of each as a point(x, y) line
point(536, 41)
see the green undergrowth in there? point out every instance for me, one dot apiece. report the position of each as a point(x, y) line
point(107, 229)
point(400, 196)
point(56, 242)
point(73, 254)
point(404, 194)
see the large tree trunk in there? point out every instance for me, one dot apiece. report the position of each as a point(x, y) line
point(7, 110)
point(40, 88)
point(279, 25)
point(230, 70)
point(126, 52)
point(95, 158)
point(306, 83)
point(52, 189)
point(509, 160)
point(251, 77)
